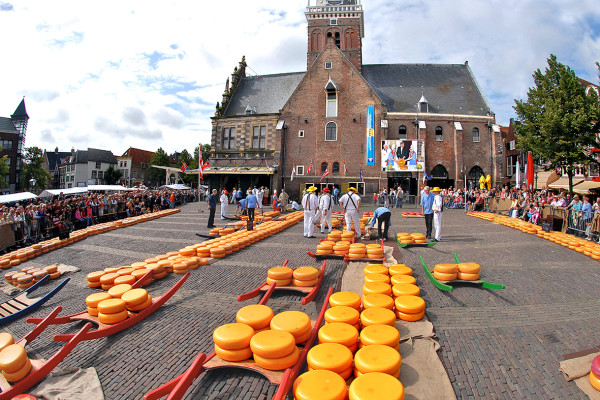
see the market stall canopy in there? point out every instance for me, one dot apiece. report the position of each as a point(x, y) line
point(586, 187)
point(544, 178)
point(109, 188)
point(9, 198)
point(68, 191)
point(563, 183)
point(177, 186)
point(240, 170)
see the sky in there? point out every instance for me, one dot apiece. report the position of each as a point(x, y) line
point(148, 73)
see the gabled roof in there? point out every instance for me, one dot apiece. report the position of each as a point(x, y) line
point(20, 111)
point(94, 155)
point(138, 156)
point(55, 158)
point(7, 126)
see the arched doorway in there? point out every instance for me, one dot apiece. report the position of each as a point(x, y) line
point(440, 177)
point(473, 177)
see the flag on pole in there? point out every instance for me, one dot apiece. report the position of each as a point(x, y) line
point(426, 177)
point(293, 173)
point(345, 169)
point(361, 175)
point(201, 166)
point(184, 167)
point(236, 168)
point(268, 172)
point(324, 174)
point(310, 167)
point(518, 177)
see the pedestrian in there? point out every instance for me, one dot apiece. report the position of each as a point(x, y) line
point(325, 206)
point(224, 203)
point(426, 203)
point(310, 203)
point(350, 202)
point(212, 208)
point(382, 215)
point(259, 197)
point(438, 209)
point(399, 197)
point(283, 199)
point(274, 200)
point(392, 197)
point(233, 196)
point(374, 198)
point(336, 195)
point(251, 202)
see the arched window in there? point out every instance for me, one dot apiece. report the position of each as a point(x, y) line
point(439, 172)
point(323, 166)
point(473, 176)
point(350, 39)
point(336, 168)
point(316, 41)
point(476, 134)
point(402, 132)
point(439, 134)
point(331, 131)
point(337, 40)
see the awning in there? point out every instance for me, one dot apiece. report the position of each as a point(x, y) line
point(586, 187)
point(239, 170)
point(109, 188)
point(176, 186)
point(563, 183)
point(56, 192)
point(422, 125)
point(9, 198)
point(458, 126)
point(544, 178)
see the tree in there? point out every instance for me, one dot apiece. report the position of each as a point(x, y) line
point(205, 152)
point(34, 174)
point(186, 157)
point(559, 123)
point(112, 176)
point(158, 158)
point(4, 169)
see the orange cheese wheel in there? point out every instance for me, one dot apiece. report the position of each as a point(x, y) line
point(446, 268)
point(377, 358)
point(409, 316)
point(160, 275)
point(469, 268)
point(257, 316)
point(444, 276)
point(233, 355)
point(304, 283)
point(294, 322)
point(319, 384)
point(93, 311)
point(111, 306)
point(135, 297)
point(399, 269)
point(338, 332)
point(376, 386)
point(380, 334)
point(595, 381)
point(467, 277)
point(142, 306)
point(112, 318)
point(377, 278)
point(279, 282)
point(20, 374)
point(138, 264)
point(12, 358)
point(278, 364)
point(378, 300)
point(306, 273)
point(139, 273)
point(95, 276)
point(118, 290)
point(124, 279)
point(349, 299)
point(377, 316)
point(409, 304)
point(93, 299)
point(55, 275)
point(25, 278)
point(52, 269)
point(187, 251)
point(233, 336)
point(403, 289)
point(106, 287)
point(376, 287)
point(6, 339)
point(272, 344)
point(109, 278)
point(344, 314)
point(125, 271)
point(301, 338)
point(396, 279)
point(330, 356)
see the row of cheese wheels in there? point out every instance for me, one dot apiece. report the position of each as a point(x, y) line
point(14, 362)
point(16, 257)
point(301, 276)
point(113, 307)
point(29, 275)
point(468, 271)
point(334, 246)
point(410, 238)
point(354, 250)
point(241, 224)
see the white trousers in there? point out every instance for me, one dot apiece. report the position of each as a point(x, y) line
point(223, 210)
point(437, 224)
point(351, 217)
point(309, 224)
point(326, 219)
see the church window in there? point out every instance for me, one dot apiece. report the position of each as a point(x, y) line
point(337, 40)
point(259, 134)
point(323, 167)
point(439, 134)
point(331, 103)
point(228, 141)
point(331, 131)
point(335, 169)
point(476, 134)
point(402, 132)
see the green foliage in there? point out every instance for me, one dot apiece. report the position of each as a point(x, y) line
point(558, 122)
point(4, 169)
point(33, 169)
point(112, 176)
point(186, 157)
point(157, 175)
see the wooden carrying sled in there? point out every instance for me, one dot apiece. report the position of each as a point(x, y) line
point(403, 245)
point(447, 285)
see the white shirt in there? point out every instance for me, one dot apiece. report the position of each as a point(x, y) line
point(325, 202)
point(310, 202)
point(348, 204)
point(224, 198)
point(437, 203)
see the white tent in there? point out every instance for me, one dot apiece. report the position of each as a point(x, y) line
point(56, 192)
point(109, 188)
point(8, 198)
point(177, 186)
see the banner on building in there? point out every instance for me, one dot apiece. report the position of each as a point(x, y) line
point(402, 155)
point(370, 135)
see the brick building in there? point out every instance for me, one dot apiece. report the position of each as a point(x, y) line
point(370, 126)
point(12, 140)
point(133, 165)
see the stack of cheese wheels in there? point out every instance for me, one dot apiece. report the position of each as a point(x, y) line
point(595, 373)
point(257, 316)
point(25, 281)
point(93, 278)
point(377, 316)
point(319, 384)
point(342, 247)
point(409, 308)
point(405, 238)
point(9, 277)
point(180, 267)
point(14, 363)
point(4, 263)
point(380, 334)
point(377, 358)
point(52, 271)
point(217, 252)
point(108, 280)
point(376, 287)
point(274, 349)
point(399, 269)
point(117, 291)
point(335, 235)
point(445, 272)
point(374, 250)
point(349, 299)
point(378, 300)
point(112, 311)
point(232, 341)
point(376, 269)
point(333, 357)
point(338, 332)
point(124, 277)
point(137, 299)
point(325, 247)
point(295, 322)
point(306, 276)
point(282, 276)
point(468, 271)
point(403, 289)
point(343, 314)
point(357, 250)
point(92, 302)
point(376, 385)
point(377, 278)
point(139, 274)
point(418, 237)
point(396, 279)
point(159, 269)
point(347, 235)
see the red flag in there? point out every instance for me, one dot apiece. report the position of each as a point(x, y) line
point(530, 172)
point(309, 168)
point(324, 174)
point(345, 169)
point(184, 167)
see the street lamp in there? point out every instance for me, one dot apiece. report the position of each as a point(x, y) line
point(32, 183)
point(535, 171)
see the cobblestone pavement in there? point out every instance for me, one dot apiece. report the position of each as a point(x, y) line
point(502, 344)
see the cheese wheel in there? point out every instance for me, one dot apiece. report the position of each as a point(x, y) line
point(93, 299)
point(52, 269)
point(403, 289)
point(446, 268)
point(377, 358)
point(319, 384)
point(112, 318)
point(469, 268)
point(303, 283)
point(399, 269)
point(124, 279)
point(160, 275)
point(6, 339)
point(187, 251)
point(467, 277)
point(257, 316)
point(376, 287)
point(377, 316)
point(279, 282)
point(55, 275)
point(378, 300)
point(349, 299)
point(306, 274)
point(233, 336)
point(444, 276)
point(37, 275)
point(303, 337)
point(142, 306)
point(109, 278)
point(337, 332)
point(294, 322)
point(94, 276)
point(409, 304)
point(375, 269)
point(233, 355)
point(376, 386)
point(20, 374)
point(135, 297)
point(93, 311)
point(396, 279)
point(343, 314)
point(377, 278)
point(118, 290)
point(278, 364)
point(409, 317)
point(12, 358)
point(25, 278)
point(380, 334)
point(272, 344)
point(139, 273)
point(125, 271)
point(595, 381)
point(330, 356)
point(111, 306)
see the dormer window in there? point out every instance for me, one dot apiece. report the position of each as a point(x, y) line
point(331, 98)
point(423, 105)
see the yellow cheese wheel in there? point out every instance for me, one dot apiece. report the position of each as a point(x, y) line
point(93, 299)
point(375, 269)
point(159, 275)
point(94, 284)
point(344, 314)
point(444, 276)
point(330, 356)
point(304, 283)
point(93, 311)
point(376, 287)
point(376, 386)
point(463, 276)
point(52, 269)
point(338, 332)
point(294, 322)
point(303, 337)
point(377, 358)
point(469, 268)
point(399, 269)
point(108, 279)
point(272, 344)
point(396, 279)
point(306, 273)
point(118, 290)
point(258, 316)
point(278, 364)
point(409, 304)
point(125, 271)
point(138, 264)
point(233, 355)
point(377, 316)
point(135, 297)
point(380, 334)
point(280, 273)
point(20, 374)
point(6, 339)
point(187, 251)
point(410, 317)
point(139, 273)
point(319, 384)
point(112, 318)
point(417, 235)
point(446, 268)
point(233, 336)
point(54, 275)
point(279, 282)
point(111, 306)
point(95, 276)
point(12, 358)
point(595, 381)
point(403, 289)
point(142, 306)
point(378, 300)
point(377, 278)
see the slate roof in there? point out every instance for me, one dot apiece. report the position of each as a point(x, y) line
point(55, 158)
point(21, 111)
point(94, 155)
point(138, 156)
point(7, 126)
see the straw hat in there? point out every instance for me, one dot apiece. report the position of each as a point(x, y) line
point(353, 189)
point(311, 189)
point(436, 189)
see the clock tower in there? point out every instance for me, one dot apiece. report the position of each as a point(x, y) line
point(340, 21)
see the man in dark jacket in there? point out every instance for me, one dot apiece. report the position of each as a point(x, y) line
point(212, 207)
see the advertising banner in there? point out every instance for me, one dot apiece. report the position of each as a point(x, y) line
point(370, 135)
point(402, 155)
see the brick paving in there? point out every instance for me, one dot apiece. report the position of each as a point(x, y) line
point(502, 344)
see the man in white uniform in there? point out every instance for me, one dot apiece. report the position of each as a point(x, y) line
point(325, 206)
point(224, 202)
point(310, 203)
point(259, 196)
point(438, 209)
point(351, 203)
